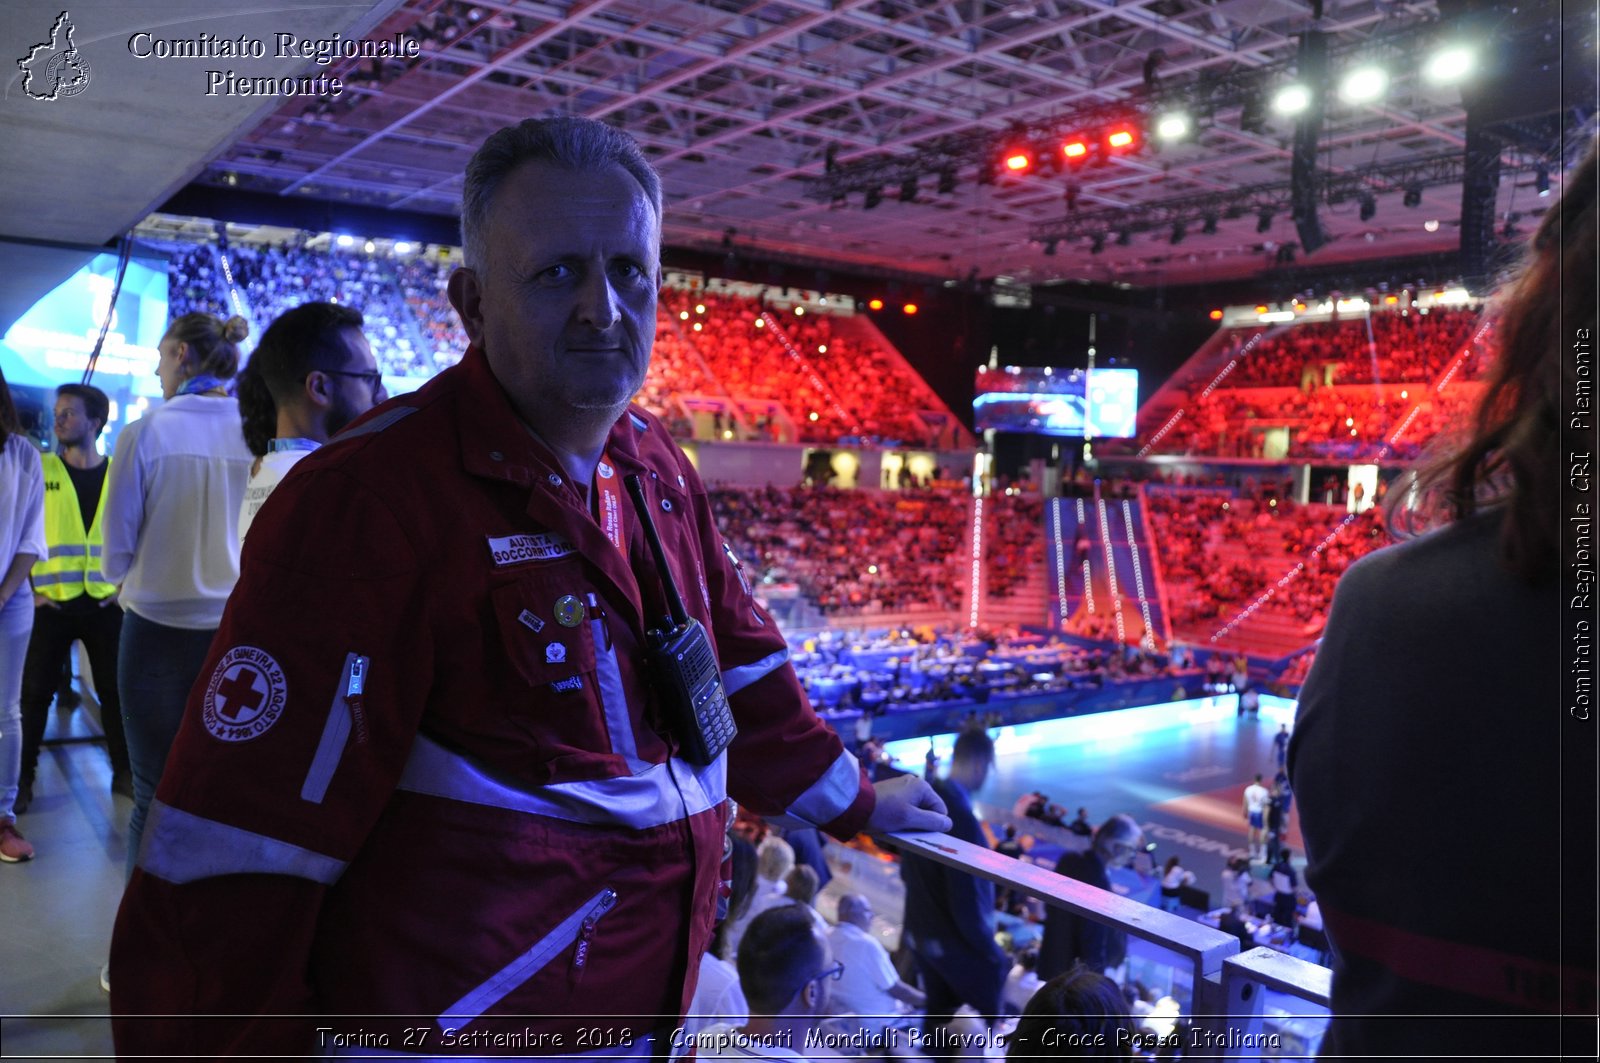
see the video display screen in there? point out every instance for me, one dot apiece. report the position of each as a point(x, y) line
point(1101, 403)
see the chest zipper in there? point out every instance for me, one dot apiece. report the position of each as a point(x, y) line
point(580, 953)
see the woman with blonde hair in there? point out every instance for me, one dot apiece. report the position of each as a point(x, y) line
point(171, 539)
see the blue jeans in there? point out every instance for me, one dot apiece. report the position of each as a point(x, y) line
point(16, 624)
point(156, 667)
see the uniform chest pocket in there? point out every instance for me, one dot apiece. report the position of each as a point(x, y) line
point(548, 633)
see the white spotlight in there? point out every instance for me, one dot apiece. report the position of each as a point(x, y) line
point(1432, 225)
point(402, 248)
point(1291, 99)
point(345, 239)
point(1450, 65)
point(1363, 85)
point(1173, 126)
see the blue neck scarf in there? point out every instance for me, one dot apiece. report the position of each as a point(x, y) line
point(195, 385)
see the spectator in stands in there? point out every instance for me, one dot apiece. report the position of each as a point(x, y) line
point(1453, 633)
point(1235, 883)
point(788, 972)
point(949, 916)
point(1285, 883)
point(171, 523)
point(717, 996)
point(774, 861)
point(312, 373)
point(1080, 826)
point(1078, 1014)
point(22, 542)
point(1070, 938)
point(1173, 878)
point(1021, 983)
point(870, 988)
point(800, 886)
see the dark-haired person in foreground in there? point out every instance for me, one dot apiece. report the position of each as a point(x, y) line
point(427, 786)
point(1078, 1015)
point(72, 599)
point(312, 373)
point(1437, 690)
point(788, 972)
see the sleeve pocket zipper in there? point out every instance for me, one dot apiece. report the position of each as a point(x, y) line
point(579, 928)
point(345, 713)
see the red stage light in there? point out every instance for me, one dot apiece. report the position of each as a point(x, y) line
point(910, 308)
point(874, 304)
point(1018, 161)
point(1075, 149)
point(1216, 315)
point(1121, 139)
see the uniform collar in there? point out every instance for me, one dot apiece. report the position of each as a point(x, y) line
point(497, 444)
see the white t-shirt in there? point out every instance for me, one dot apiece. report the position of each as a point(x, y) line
point(21, 504)
point(275, 465)
point(172, 511)
point(718, 998)
point(724, 1041)
point(868, 975)
point(1255, 798)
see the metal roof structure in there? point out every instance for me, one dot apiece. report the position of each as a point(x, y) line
point(765, 117)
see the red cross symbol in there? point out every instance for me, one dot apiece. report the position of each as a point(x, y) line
point(239, 695)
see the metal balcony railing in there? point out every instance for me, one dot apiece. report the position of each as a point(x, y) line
point(1230, 987)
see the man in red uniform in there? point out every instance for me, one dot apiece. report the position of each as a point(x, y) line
point(425, 788)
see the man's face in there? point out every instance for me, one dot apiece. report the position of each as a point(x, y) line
point(564, 302)
point(357, 387)
point(73, 427)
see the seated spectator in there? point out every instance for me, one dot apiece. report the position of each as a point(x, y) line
point(800, 885)
point(1079, 1014)
point(870, 988)
point(788, 972)
point(717, 996)
point(1021, 983)
point(774, 861)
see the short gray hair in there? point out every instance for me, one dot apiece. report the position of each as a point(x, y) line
point(1119, 829)
point(578, 144)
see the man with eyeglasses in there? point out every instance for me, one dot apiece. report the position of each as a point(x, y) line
point(1071, 938)
point(312, 374)
point(787, 971)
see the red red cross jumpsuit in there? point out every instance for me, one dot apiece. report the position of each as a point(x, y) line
point(422, 774)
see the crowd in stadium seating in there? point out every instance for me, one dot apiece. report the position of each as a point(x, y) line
point(1013, 541)
point(1219, 553)
point(1412, 346)
point(882, 394)
point(851, 551)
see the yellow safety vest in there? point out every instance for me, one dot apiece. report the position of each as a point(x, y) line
point(73, 565)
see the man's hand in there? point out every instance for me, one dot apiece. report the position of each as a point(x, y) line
point(41, 602)
point(907, 803)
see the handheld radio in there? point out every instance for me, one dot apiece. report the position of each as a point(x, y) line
point(682, 665)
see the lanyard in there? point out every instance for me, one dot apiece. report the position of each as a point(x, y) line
point(285, 443)
point(608, 503)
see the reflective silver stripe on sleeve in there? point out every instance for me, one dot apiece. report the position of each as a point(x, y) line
point(736, 679)
point(181, 847)
point(470, 1007)
point(656, 796)
point(613, 696)
point(638, 422)
point(377, 424)
point(828, 797)
point(69, 551)
point(336, 732)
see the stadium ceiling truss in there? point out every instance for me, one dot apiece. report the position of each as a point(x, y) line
point(771, 120)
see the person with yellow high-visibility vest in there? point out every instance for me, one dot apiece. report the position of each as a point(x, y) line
point(72, 600)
